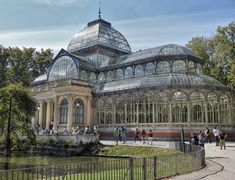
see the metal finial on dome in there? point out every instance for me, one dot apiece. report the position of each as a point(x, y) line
point(99, 13)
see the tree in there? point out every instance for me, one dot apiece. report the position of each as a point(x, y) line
point(22, 65)
point(218, 52)
point(16, 109)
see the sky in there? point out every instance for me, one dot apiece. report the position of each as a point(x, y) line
point(144, 23)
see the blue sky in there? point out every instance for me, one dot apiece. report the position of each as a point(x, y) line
point(144, 23)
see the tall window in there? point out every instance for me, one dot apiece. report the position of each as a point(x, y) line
point(179, 111)
point(120, 110)
point(163, 67)
point(179, 66)
point(162, 108)
point(109, 111)
point(150, 68)
point(198, 112)
point(119, 74)
point(64, 111)
point(78, 117)
point(100, 111)
point(128, 72)
point(191, 66)
point(224, 109)
point(139, 70)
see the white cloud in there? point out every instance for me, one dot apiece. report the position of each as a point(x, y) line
point(60, 2)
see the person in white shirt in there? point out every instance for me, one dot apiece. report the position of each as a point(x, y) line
point(216, 133)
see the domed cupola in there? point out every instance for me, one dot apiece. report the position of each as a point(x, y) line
point(100, 42)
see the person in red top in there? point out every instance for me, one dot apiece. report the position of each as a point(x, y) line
point(143, 136)
point(150, 139)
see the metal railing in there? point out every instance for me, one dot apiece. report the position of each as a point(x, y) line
point(118, 169)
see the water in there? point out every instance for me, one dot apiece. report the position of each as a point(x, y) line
point(23, 160)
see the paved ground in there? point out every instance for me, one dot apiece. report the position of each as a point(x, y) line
point(220, 163)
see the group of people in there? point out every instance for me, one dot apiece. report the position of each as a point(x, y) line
point(87, 131)
point(202, 138)
point(120, 134)
point(141, 135)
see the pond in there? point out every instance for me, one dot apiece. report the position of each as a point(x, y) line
point(23, 160)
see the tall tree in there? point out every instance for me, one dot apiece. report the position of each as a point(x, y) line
point(16, 109)
point(218, 52)
point(22, 65)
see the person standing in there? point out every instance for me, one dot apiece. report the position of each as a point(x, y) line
point(143, 136)
point(116, 135)
point(207, 135)
point(201, 139)
point(137, 135)
point(216, 133)
point(150, 135)
point(123, 133)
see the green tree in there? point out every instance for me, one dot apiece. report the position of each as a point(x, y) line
point(16, 109)
point(218, 52)
point(22, 65)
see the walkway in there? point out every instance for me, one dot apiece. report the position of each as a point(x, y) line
point(220, 163)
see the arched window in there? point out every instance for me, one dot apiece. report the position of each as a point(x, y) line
point(199, 68)
point(101, 77)
point(162, 108)
point(179, 112)
point(213, 108)
point(63, 68)
point(224, 109)
point(120, 110)
point(92, 77)
point(63, 111)
point(142, 106)
point(131, 110)
point(163, 67)
point(100, 111)
point(191, 66)
point(128, 72)
point(109, 76)
point(109, 111)
point(197, 114)
point(179, 66)
point(139, 70)
point(119, 74)
point(78, 116)
point(83, 75)
point(150, 68)
point(197, 104)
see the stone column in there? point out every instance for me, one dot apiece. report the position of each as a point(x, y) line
point(55, 116)
point(70, 114)
point(189, 112)
point(125, 106)
point(88, 111)
point(41, 114)
point(48, 114)
point(206, 112)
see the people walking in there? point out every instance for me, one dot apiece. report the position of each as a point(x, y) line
point(150, 135)
point(137, 135)
point(123, 134)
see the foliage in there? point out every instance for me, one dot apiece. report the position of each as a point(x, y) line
point(218, 52)
point(22, 65)
point(22, 109)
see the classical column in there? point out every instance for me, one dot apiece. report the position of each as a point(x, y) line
point(170, 107)
point(125, 106)
point(41, 113)
point(189, 112)
point(206, 112)
point(70, 114)
point(88, 110)
point(48, 114)
point(55, 116)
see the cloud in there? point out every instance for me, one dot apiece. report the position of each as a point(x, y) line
point(60, 2)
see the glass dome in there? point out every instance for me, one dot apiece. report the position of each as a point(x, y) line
point(99, 32)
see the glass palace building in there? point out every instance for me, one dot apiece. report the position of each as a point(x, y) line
point(99, 81)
